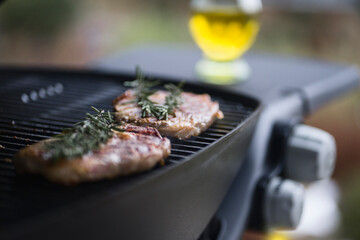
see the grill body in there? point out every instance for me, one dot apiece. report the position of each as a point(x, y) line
point(289, 88)
point(175, 201)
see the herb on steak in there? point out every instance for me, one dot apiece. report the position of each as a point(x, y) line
point(144, 89)
point(83, 137)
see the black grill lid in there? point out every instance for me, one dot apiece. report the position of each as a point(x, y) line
point(36, 104)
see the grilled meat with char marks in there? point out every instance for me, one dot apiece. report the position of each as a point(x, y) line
point(196, 113)
point(135, 150)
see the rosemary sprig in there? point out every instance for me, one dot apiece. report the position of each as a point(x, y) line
point(144, 89)
point(83, 137)
point(173, 100)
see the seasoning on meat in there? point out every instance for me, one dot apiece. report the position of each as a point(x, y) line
point(134, 150)
point(194, 115)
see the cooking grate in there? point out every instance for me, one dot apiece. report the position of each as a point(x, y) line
point(35, 105)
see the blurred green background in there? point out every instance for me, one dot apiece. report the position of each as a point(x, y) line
point(74, 33)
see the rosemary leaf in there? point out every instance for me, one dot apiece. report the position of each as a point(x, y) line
point(143, 90)
point(83, 137)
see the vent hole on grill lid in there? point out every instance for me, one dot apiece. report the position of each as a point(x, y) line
point(42, 93)
point(59, 88)
point(50, 90)
point(25, 98)
point(33, 95)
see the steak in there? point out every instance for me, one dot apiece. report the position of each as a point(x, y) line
point(135, 150)
point(196, 113)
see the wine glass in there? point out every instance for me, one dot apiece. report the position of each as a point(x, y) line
point(224, 30)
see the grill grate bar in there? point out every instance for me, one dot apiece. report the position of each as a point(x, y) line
point(185, 147)
point(216, 130)
point(182, 152)
point(7, 155)
point(15, 138)
point(9, 150)
point(196, 143)
point(234, 116)
point(205, 139)
point(29, 129)
point(174, 155)
point(212, 135)
point(50, 107)
point(223, 126)
point(61, 120)
point(32, 135)
point(5, 165)
point(35, 121)
point(40, 127)
point(12, 145)
point(227, 121)
point(5, 173)
point(172, 161)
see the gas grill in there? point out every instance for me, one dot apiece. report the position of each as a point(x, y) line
point(265, 193)
point(36, 104)
point(211, 187)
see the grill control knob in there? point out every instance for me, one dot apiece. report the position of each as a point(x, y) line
point(310, 154)
point(283, 203)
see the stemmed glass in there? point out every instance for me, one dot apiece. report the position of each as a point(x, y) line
point(224, 30)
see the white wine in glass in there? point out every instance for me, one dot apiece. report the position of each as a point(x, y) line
point(224, 30)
